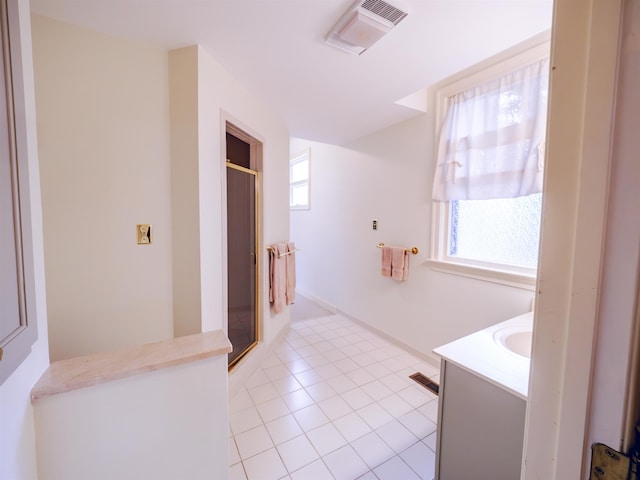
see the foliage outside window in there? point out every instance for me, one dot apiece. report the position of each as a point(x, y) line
point(488, 179)
point(299, 172)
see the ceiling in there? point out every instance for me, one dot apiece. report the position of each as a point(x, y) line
point(276, 49)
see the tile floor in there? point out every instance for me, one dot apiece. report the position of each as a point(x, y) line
point(333, 401)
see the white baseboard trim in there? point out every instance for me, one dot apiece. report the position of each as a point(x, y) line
point(431, 360)
point(249, 363)
point(324, 304)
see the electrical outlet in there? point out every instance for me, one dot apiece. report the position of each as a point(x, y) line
point(375, 224)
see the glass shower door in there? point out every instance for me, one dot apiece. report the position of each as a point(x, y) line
point(242, 265)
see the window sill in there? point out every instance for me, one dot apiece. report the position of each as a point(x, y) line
point(512, 279)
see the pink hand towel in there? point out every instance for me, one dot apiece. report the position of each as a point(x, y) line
point(277, 276)
point(386, 262)
point(399, 264)
point(290, 291)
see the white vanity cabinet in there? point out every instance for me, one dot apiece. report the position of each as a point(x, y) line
point(481, 428)
point(483, 398)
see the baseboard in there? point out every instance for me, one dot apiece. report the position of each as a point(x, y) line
point(430, 359)
point(324, 304)
point(249, 364)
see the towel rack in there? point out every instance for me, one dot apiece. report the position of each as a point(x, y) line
point(270, 248)
point(413, 250)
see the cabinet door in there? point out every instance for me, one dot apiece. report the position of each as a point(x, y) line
point(16, 334)
point(481, 428)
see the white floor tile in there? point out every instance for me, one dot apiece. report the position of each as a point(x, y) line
point(360, 376)
point(320, 391)
point(395, 405)
point(298, 365)
point(341, 383)
point(331, 382)
point(418, 424)
point(372, 449)
point(430, 410)
point(252, 442)
point(352, 426)
point(265, 466)
point(283, 429)
point(368, 476)
point(236, 472)
point(416, 396)
point(297, 452)
point(345, 464)
point(311, 417)
point(396, 436)
point(431, 440)
point(258, 378)
point(263, 393)
point(357, 398)
point(308, 377)
point(335, 407)
point(326, 439)
point(376, 390)
point(244, 420)
point(274, 373)
point(272, 409)
point(374, 415)
point(395, 382)
point(297, 400)
point(395, 469)
point(286, 385)
point(314, 471)
point(234, 456)
point(346, 365)
point(421, 460)
point(240, 401)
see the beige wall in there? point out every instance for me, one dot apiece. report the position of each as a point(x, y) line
point(17, 435)
point(103, 121)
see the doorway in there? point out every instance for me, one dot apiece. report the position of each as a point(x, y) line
point(242, 174)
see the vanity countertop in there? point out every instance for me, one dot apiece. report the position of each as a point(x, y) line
point(79, 372)
point(480, 354)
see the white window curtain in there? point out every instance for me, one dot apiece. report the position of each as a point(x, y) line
point(492, 138)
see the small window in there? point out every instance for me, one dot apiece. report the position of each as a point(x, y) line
point(486, 223)
point(299, 170)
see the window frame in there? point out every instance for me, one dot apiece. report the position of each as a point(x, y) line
point(298, 158)
point(439, 258)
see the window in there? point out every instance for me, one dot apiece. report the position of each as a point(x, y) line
point(299, 169)
point(488, 178)
point(17, 333)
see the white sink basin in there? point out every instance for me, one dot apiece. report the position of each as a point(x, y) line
point(515, 338)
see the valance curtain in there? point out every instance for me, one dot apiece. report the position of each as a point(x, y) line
point(492, 139)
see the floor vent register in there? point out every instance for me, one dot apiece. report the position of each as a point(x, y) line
point(426, 382)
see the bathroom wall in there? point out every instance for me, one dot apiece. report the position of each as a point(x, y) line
point(17, 434)
point(103, 132)
point(219, 98)
point(387, 177)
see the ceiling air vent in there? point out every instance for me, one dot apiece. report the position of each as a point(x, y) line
point(366, 22)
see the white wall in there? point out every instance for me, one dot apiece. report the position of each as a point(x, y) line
point(621, 271)
point(387, 176)
point(202, 188)
point(17, 435)
point(162, 425)
point(103, 131)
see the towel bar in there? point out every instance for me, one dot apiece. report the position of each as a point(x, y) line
point(283, 254)
point(413, 250)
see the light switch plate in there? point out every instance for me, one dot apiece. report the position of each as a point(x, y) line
point(144, 234)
